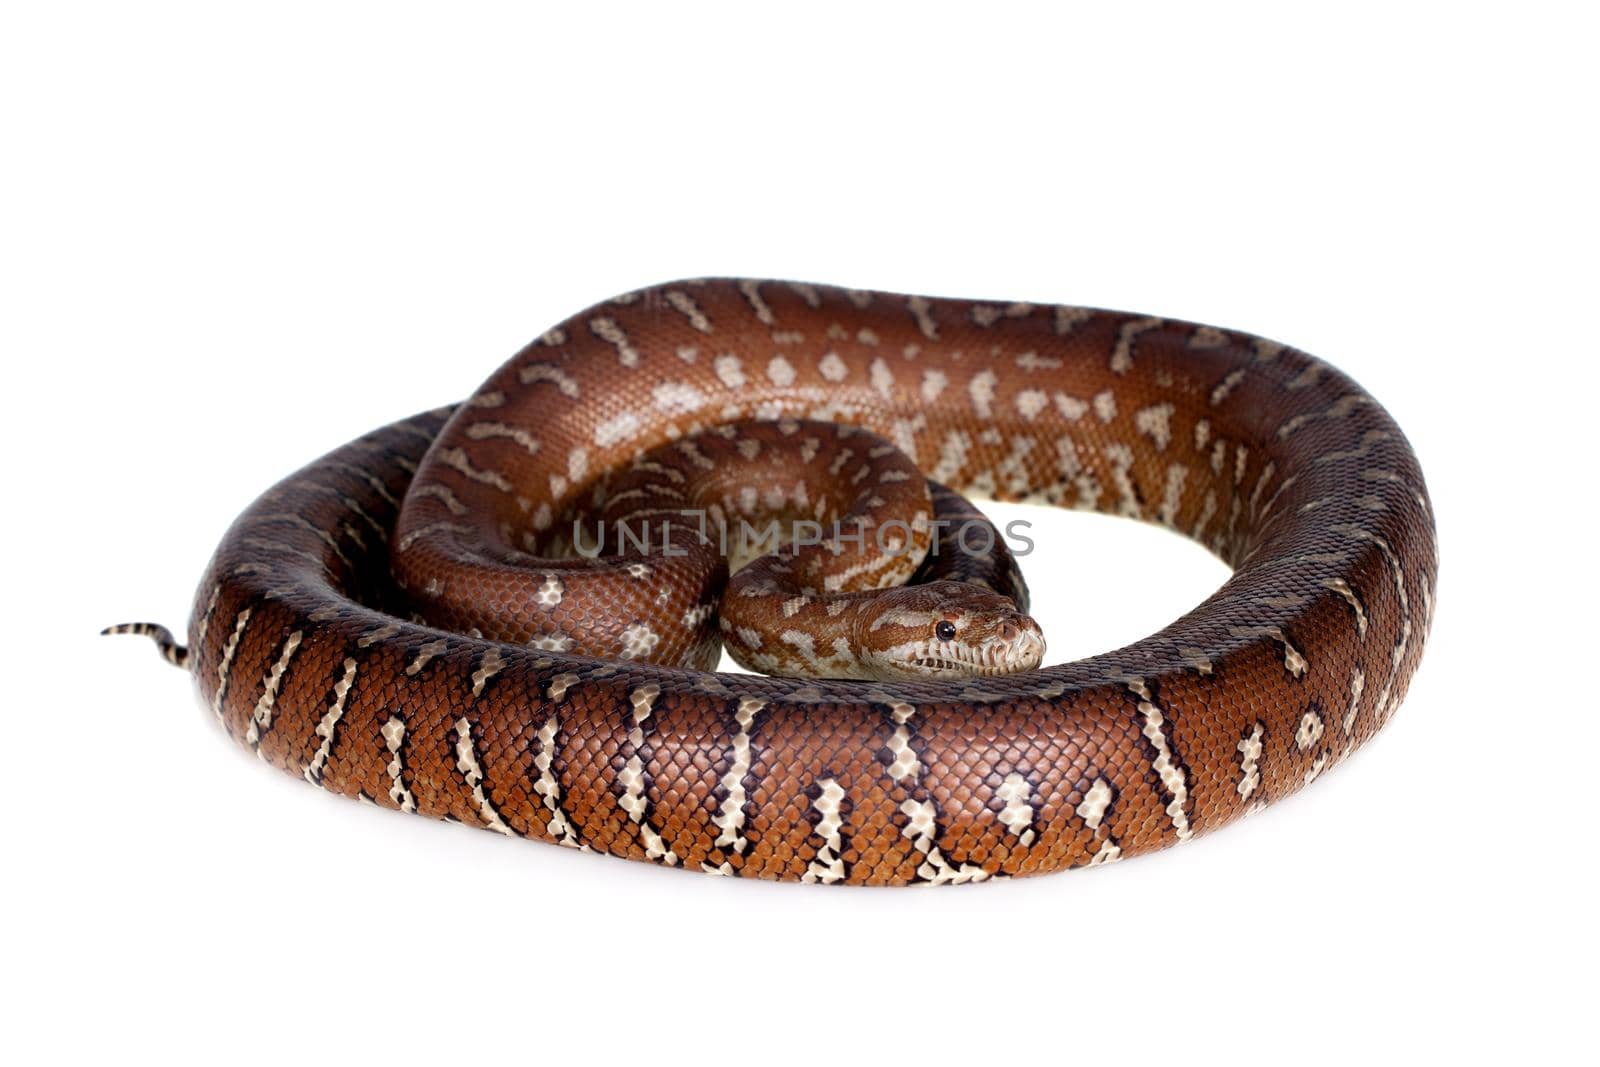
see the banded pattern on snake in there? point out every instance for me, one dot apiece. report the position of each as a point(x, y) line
point(303, 647)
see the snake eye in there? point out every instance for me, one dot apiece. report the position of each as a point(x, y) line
point(945, 631)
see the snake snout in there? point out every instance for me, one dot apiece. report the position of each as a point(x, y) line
point(1019, 644)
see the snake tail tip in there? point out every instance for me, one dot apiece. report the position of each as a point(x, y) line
point(170, 650)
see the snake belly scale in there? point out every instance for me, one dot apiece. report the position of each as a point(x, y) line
point(306, 649)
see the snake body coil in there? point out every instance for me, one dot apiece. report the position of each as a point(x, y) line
point(301, 645)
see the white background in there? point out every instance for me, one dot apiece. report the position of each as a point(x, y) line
point(234, 240)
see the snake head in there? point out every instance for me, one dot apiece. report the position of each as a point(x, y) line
point(945, 630)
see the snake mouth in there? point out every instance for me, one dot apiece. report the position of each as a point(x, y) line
point(933, 665)
point(985, 661)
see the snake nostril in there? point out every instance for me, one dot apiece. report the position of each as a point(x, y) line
point(1009, 632)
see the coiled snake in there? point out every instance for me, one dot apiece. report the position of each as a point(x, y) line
point(303, 643)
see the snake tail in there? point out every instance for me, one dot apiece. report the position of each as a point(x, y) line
point(166, 644)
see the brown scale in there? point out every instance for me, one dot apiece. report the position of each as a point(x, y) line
point(1278, 462)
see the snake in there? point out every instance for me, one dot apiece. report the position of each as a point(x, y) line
point(334, 632)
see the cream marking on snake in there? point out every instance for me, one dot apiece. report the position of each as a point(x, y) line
point(1339, 409)
point(1227, 385)
point(922, 829)
point(691, 311)
point(1317, 767)
point(1342, 587)
point(1155, 422)
point(1397, 657)
point(558, 826)
point(986, 315)
point(638, 641)
point(633, 800)
point(882, 378)
point(730, 370)
point(752, 293)
point(307, 525)
point(780, 371)
point(904, 763)
point(457, 460)
point(551, 642)
point(1110, 852)
point(472, 774)
point(607, 330)
point(1067, 319)
point(549, 373)
point(674, 398)
point(1122, 354)
point(559, 686)
point(1358, 682)
point(1121, 457)
point(203, 631)
point(1030, 402)
point(261, 718)
point(827, 866)
point(550, 592)
point(617, 429)
point(1031, 361)
point(1016, 813)
point(806, 292)
point(425, 655)
point(1164, 764)
point(413, 536)
point(1250, 749)
point(1095, 802)
point(730, 815)
point(483, 431)
point(1309, 731)
point(1172, 494)
point(394, 739)
point(920, 311)
point(330, 723)
point(1293, 661)
point(981, 389)
point(1072, 408)
point(491, 664)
